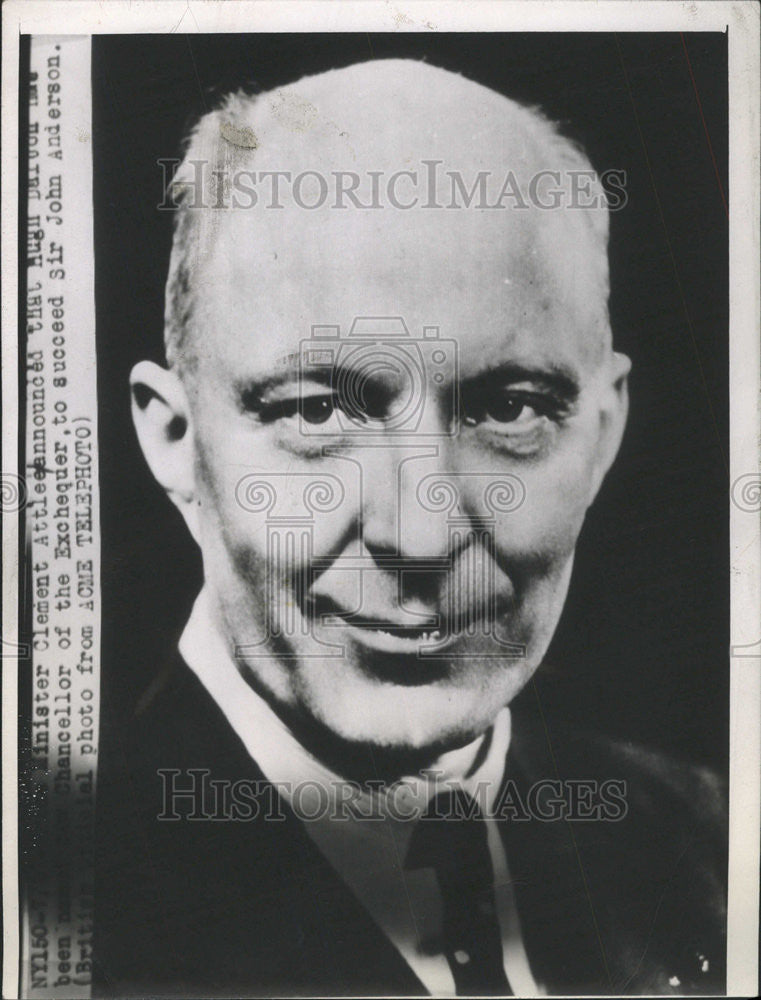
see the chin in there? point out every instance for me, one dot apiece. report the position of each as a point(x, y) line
point(420, 719)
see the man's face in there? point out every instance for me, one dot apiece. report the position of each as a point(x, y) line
point(406, 600)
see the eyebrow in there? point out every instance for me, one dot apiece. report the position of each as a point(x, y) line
point(250, 391)
point(557, 379)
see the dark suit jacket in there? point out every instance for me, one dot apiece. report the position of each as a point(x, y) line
point(222, 909)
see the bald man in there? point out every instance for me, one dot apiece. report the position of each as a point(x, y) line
point(385, 412)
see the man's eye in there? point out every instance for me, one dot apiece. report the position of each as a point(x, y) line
point(504, 408)
point(315, 409)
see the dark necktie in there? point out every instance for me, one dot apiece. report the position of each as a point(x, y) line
point(451, 838)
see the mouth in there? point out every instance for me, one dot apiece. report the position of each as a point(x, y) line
point(430, 635)
point(388, 636)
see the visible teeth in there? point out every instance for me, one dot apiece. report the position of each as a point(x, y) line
point(425, 636)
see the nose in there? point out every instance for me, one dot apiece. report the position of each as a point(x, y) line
point(395, 522)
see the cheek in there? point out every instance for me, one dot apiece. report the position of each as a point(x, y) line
point(270, 514)
point(542, 532)
point(234, 503)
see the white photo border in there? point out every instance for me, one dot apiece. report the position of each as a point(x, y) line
point(741, 21)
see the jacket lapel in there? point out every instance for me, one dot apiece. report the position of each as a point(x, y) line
point(557, 920)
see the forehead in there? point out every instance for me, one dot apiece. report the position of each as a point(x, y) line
point(505, 286)
point(495, 280)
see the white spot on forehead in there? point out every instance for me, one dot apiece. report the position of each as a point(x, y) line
point(292, 111)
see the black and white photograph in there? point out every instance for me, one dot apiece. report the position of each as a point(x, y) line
point(381, 500)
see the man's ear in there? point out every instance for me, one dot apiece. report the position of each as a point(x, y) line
point(613, 413)
point(161, 416)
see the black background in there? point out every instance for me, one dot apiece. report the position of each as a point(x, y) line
point(642, 647)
